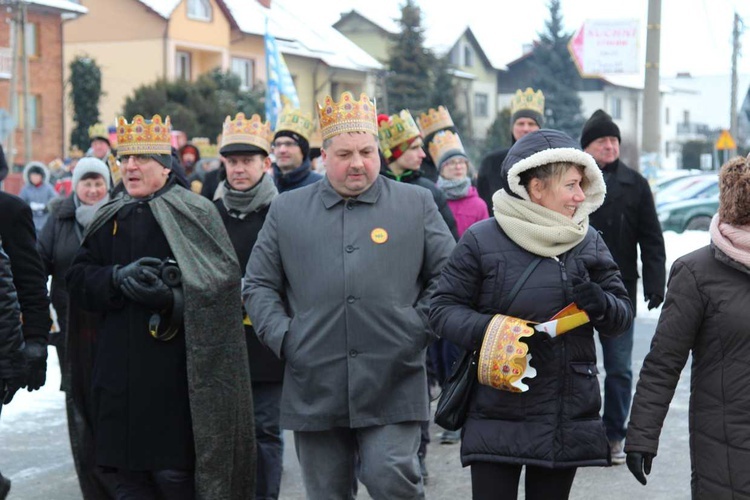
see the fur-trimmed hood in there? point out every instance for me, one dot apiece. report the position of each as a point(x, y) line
point(546, 146)
point(35, 165)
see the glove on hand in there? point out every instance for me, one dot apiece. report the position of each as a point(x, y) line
point(590, 297)
point(654, 301)
point(36, 362)
point(134, 270)
point(149, 290)
point(540, 348)
point(639, 464)
point(12, 375)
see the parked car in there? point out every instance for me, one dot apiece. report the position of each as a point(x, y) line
point(693, 187)
point(670, 178)
point(688, 215)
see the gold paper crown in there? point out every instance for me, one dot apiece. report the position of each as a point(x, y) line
point(294, 120)
point(347, 115)
point(75, 153)
point(144, 137)
point(435, 120)
point(205, 148)
point(443, 142)
point(251, 131)
point(528, 99)
point(98, 130)
point(396, 131)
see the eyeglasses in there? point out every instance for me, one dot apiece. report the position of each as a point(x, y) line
point(456, 162)
point(138, 159)
point(285, 144)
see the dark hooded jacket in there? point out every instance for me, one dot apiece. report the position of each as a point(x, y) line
point(706, 312)
point(415, 177)
point(490, 177)
point(11, 337)
point(297, 178)
point(556, 423)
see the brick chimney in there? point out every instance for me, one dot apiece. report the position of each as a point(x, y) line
point(265, 3)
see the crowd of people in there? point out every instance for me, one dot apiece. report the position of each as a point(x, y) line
point(203, 308)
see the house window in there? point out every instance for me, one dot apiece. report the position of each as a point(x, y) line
point(200, 10)
point(615, 108)
point(32, 40)
point(468, 56)
point(35, 116)
point(481, 105)
point(244, 68)
point(182, 65)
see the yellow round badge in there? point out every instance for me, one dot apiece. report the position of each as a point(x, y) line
point(379, 235)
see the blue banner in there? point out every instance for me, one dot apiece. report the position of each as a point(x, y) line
point(280, 89)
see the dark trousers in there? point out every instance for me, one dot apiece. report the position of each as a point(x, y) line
point(268, 439)
point(493, 481)
point(155, 485)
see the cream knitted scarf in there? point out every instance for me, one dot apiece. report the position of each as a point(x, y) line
point(535, 228)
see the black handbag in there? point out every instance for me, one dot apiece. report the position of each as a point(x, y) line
point(453, 403)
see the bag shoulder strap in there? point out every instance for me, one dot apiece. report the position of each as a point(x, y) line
point(517, 287)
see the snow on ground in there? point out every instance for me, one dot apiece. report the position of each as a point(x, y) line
point(677, 245)
point(50, 397)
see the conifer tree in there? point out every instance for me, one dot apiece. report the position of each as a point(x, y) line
point(443, 90)
point(85, 91)
point(409, 83)
point(556, 75)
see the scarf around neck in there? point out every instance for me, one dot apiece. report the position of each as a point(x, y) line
point(734, 241)
point(455, 189)
point(85, 213)
point(535, 228)
point(241, 203)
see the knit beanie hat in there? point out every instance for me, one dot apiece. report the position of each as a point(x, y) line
point(599, 125)
point(304, 145)
point(527, 113)
point(90, 165)
point(734, 192)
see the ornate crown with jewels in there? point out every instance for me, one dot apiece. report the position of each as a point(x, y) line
point(144, 137)
point(294, 120)
point(98, 130)
point(435, 120)
point(347, 115)
point(396, 131)
point(528, 99)
point(241, 130)
point(443, 142)
point(205, 148)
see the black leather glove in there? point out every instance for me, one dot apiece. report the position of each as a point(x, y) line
point(36, 364)
point(590, 297)
point(639, 464)
point(12, 375)
point(149, 290)
point(654, 301)
point(134, 270)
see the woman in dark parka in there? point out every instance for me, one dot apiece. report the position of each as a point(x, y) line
point(706, 312)
point(550, 188)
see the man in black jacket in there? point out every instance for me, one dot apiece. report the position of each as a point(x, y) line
point(291, 147)
point(627, 220)
point(527, 115)
point(19, 241)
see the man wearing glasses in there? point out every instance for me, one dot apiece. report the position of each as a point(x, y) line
point(291, 147)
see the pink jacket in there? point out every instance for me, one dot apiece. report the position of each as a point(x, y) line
point(468, 210)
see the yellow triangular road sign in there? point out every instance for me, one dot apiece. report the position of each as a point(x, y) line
point(725, 141)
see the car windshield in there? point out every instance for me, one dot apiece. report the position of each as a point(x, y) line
point(687, 187)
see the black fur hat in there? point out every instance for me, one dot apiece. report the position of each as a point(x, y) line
point(599, 125)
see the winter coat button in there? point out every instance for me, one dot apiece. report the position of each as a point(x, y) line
point(350, 206)
point(350, 299)
point(349, 248)
point(353, 353)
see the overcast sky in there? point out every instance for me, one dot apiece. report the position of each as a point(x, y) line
point(696, 34)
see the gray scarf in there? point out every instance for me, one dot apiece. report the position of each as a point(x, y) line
point(455, 189)
point(241, 203)
point(85, 213)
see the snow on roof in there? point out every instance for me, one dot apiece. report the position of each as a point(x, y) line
point(380, 19)
point(297, 37)
point(65, 6)
point(162, 7)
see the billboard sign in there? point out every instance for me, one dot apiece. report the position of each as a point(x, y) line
point(606, 46)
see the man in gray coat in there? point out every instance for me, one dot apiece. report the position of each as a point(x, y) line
point(338, 285)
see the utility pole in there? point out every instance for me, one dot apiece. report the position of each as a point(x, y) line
point(651, 139)
point(26, 95)
point(733, 122)
point(13, 96)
